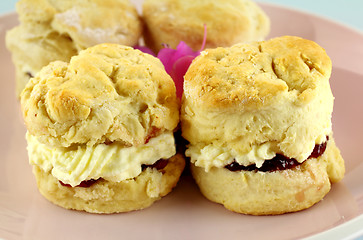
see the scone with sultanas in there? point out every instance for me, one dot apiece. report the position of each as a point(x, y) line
point(258, 119)
point(228, 22)
point(100, 130)
point(56, 30)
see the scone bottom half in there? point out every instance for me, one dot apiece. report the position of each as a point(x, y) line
point(258, 120)
point(101, 130)
point(256, 192)
point(102, 196)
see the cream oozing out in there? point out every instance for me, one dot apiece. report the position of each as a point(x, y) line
point(209, 156)
point(112, 162)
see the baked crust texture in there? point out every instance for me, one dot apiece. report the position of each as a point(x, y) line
point(107, 93)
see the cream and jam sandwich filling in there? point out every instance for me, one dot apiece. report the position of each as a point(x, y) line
point(113, 162)
point(279, 162)
point(159, 165)
point(265, 157)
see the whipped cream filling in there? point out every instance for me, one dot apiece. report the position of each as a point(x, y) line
point(208, 156)
point(217, 156)
point(112, 162)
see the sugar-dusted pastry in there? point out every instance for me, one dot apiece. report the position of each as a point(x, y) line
point(100, 130)
point(56, 30)
point(258, 119)
point(228, 22)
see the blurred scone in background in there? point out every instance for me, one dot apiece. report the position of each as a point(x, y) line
point(228, 22)
point(52, 30)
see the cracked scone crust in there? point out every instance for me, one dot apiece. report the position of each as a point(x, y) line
point(107, 93)
point(57, 30)
point(249, 76)
point(228, 22)
point(274, 91)
point(112, 197)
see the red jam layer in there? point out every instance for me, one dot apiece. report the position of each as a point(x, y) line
point(160, 164)
point(84, 184)
point(152, 133)
point(279, 162)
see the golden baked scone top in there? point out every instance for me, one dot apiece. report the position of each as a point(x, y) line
point(228, 22)
point(86, 22)
point(107, 93)
point(249, 76)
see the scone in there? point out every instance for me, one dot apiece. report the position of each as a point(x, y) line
point(258, 119)
point(100, 130)
point(56, 30)
point(228, 22)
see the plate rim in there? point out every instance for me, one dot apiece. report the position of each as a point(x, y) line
point(349, 229)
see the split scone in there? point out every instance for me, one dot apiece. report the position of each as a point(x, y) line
point(258, 119)
point(56, 30)
point(100, 130)
point(228, 22)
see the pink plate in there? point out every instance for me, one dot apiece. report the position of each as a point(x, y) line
point(185, 213)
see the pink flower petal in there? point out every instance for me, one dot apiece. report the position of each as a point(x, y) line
point(166, 55)
point(183, 49)
point(180, 67)
point(177, 61)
